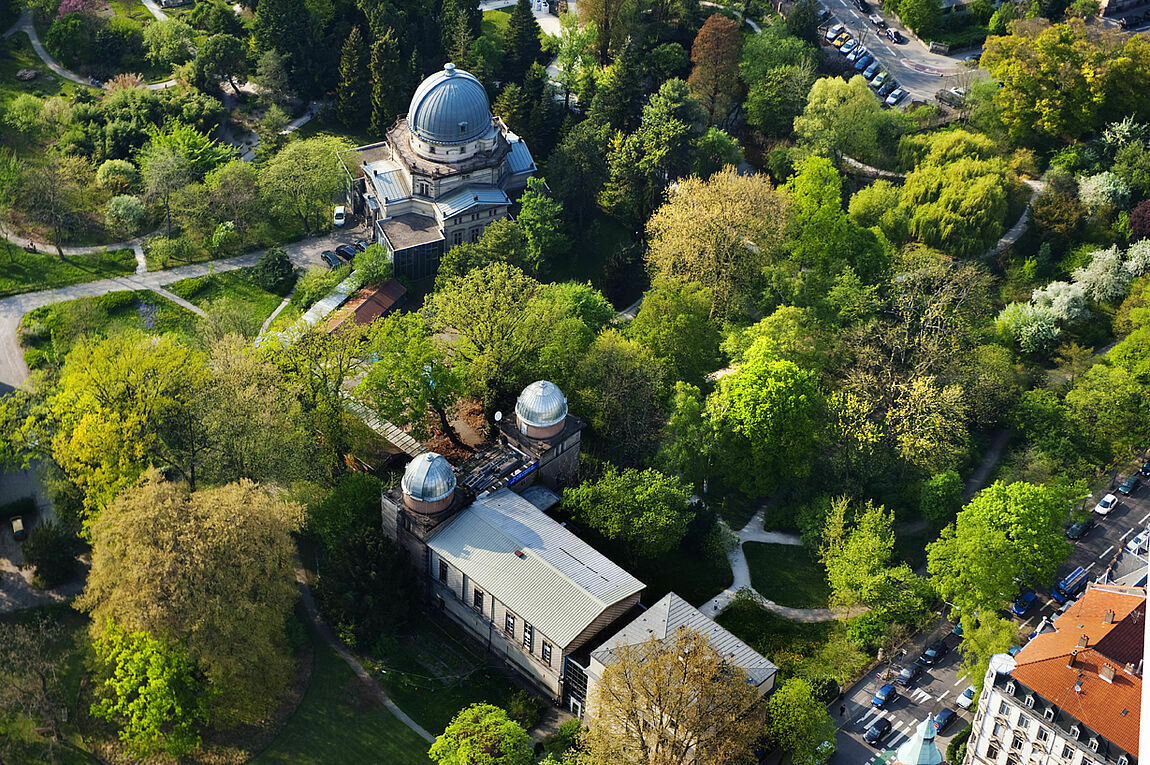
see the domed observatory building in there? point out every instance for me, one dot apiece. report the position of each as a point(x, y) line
point(446, 170)
point(543, 429)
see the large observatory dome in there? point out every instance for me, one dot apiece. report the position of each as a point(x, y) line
point(541, 405)
point(428, 478)
point(449, 108)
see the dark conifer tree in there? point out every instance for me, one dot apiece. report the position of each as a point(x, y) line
point(351, 96)
point(387, 80)
point(522, 46)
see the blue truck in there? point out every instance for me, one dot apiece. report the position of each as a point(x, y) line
point(1071, 586)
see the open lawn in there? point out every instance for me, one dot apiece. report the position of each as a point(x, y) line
point(689, 573)
point(495, 23)
point(327, 730)
point(22, 271)
point(231, 287)
point(787, 574)
point(15, 54)
point(432, 674)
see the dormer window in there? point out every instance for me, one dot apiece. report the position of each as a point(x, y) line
point(462, 127)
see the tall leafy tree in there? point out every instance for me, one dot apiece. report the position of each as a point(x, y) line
point(287, 26)
point(674, 322)
point(482, 733)
point(303, 178)
point(544, 225)
point(521, 46)
point(844, 117)
point(220, 58)
point(798, 723)
point(855, 551)
point(714, 77)
point(618, 97)
point(352, 90)
point(35, 686)
point(578, 169)
point(52, 193)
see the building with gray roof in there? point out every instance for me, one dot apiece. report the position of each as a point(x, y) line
point(446, 170)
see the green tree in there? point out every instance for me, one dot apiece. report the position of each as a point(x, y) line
point(578, 169)
point(687, 436)
point(228, 587)
point(941, 497)
point(352, 90)
point(286, 26)
point(618, 98)
point(373, 266)
point(575, 53)
point(36, 685)
point(124, 215)
point(170, 41)
point(645, 511)
point(768, 418)
point(272, 75)
point(219, 58)
point(274, 272)
point(844, 117)
point(798, 723)
point(928, 421)
point(52, 551)
point(1008, 533)
point(1109, 404)
point(674, 323)
point(715, 150)
point(714, 79)
point(855, 552)
point(959, 205)
point(543, 222)
point(118, 176)
point(503, 241)
point(52, 193)
point(153, 691)
point(303, 178)
point(983, 636)
point(521, 44)
point(924, 17)
point(482, 734)
point(409, 381)
point(803, 21)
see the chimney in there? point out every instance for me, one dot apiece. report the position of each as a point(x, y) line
point(1129, 669)
point(1108, 617)
point(1107, 673)
point(1073, 656)
point(1083, 642)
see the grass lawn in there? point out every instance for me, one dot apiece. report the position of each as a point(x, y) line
point(22, 271)
point(233, 287)
point(787, 574)
point(432, 674)
point(327, 730)
point(15, 54)
point(690, 574)
point(495, 22)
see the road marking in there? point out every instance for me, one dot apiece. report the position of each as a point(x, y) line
point(920, 694)
point(1091, 566)
point(1106, 552)
point(944, 695)
point(958, 681)
point(1123, 537)
point(1027, 622)
point(1144, 518)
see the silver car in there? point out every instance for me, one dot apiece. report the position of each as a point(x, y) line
point(871, 70)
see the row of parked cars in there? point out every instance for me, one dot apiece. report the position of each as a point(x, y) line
point(344, 253)
point(866, 64)
point(908, 676)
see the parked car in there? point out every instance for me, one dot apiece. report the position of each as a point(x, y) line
point(833, 33)
point(1079, 530)
point(877, 21)
point(887, 88)
point(857, 53)
point(361, 245)
point(944, 718)
point(1070, 587)
point(1129, 486)
point(966, 699)
point(908, 674)
point(346, 251)
point(330, 258)
point(884, 696)
point(862, 6)
point(871, 71)
point(895, 36)
point(895, 96)
point(824, 14)
point(848, 46)
point(863, 63)
point(340, 215)
point(19, 533)
point(1023, 602)
point(1140, 543)
point(842, 40)
point(972, 59)
point(878, 80)
point(956, 629)
point(1145, 469)
point(1108, 503)
point(877, 732)
point(934, 653)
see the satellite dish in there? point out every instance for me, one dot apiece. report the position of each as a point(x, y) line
point(498, 416)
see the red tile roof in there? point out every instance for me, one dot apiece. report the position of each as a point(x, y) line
point(1113, 709)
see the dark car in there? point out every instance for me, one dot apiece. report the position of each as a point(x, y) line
point(1129, 486)
point(894, 35)
point(884, 696)
point(887, 88)
point(877, 732)
point(1023, 603)
point(862, 6)
point(944, 718)
point(1079, 530)
point(361, 245)
point(908, 674)
point(824, 14)
point(934, 653)
point(1145, 469)
point(863, 63)
point(346, 251)
point(329, 258)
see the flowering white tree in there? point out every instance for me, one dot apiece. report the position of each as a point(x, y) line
point(1033, 327)
point(1066, 301)
point(1097, 191)
point(1104, 278)
point(1138, 258)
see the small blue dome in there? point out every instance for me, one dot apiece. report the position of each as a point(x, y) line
point(428, 478)
point(541, 404)
point(449, 108)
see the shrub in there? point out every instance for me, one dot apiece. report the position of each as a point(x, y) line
point(350, 507)
point(941, 497)
point(1103, 190)
point(115, 301)
point(124, 215)
point(1140, 221)
point(869, 630)
point(274, 272)
point(564, 738)
point(825, 689)
point(956, 749)
point(51, 549)
point(118, 176)
point(164, 251)
point(315, 284)
point(524, 708)
point(1104, 278)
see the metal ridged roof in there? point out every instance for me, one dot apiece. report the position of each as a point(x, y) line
point(672, 612)
point(468, 197)
point(428, 478)
point(387, 180)
point(520, 158)
point(541, 404)
point(559, 585)
point(449, 107)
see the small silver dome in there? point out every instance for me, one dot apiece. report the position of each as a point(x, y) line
point(428, 478)
point(541, 404)
point(449, 108)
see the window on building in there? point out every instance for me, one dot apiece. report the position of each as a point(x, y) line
point(443, 571)
point(991, 751)
point(509, 624)
point(1067, 751)
point(1016, 741)
point(477, 599)
point(475, 233)
point(475, 216)
point(1023, 722)
point(1043, 734)
point(528, 637)
point(457, 237)
point(462, 127)
point(1003, 708)
point(999, 729)
point(546, 653)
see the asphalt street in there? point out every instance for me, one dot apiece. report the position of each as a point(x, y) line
point(911, 63)
point(939, 686)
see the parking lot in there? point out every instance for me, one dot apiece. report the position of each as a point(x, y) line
point(909, 62)
point(939, 686)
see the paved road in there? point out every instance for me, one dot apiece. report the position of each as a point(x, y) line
point(918, 70)
point(13, 372)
